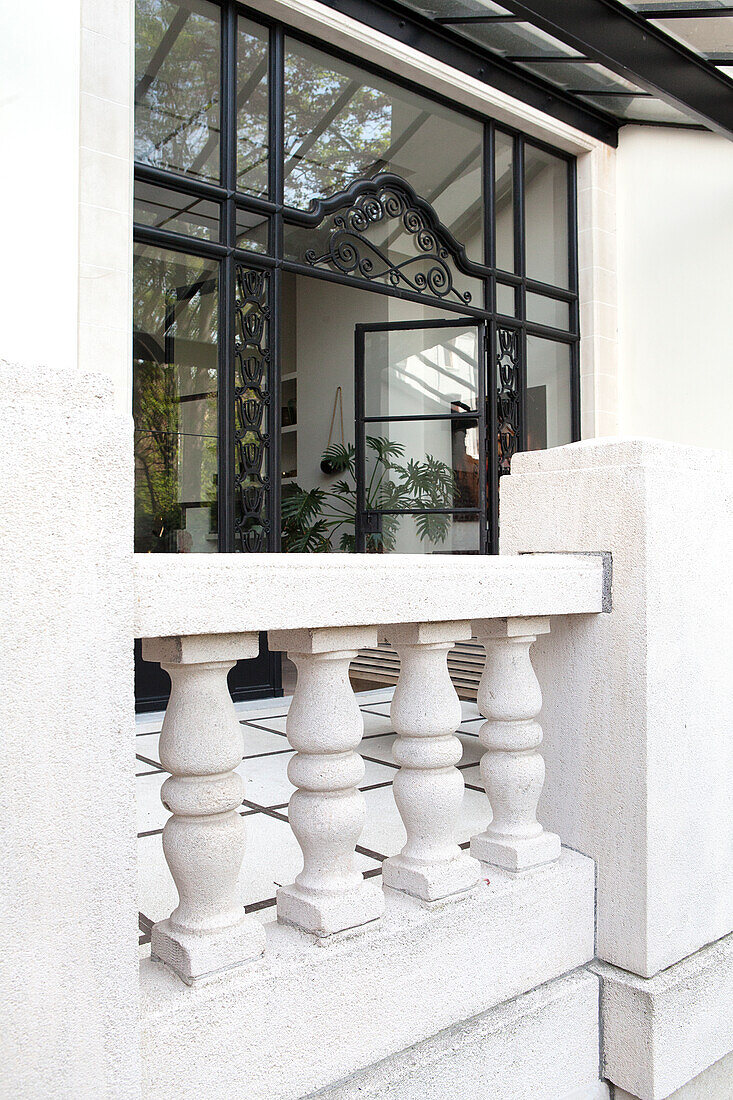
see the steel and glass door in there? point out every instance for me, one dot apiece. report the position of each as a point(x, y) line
point(421, 437)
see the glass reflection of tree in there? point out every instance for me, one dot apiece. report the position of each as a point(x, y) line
point(174, 400)
point(177, 87)
point(337, 130)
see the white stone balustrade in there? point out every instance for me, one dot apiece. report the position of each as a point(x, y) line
point(200, 745)
point(512, 770)
point(428, 788)
point(318, 609)
point(327, 810)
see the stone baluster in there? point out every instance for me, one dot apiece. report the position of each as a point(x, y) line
point(327, 810)
point(201, 744)
point(428, 788)
point(512, 770)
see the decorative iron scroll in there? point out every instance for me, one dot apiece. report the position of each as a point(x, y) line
point(251, 410)
point(508, 395)
point(391, 203)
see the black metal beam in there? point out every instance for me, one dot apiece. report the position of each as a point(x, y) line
point(634, 48)
point(443, 44)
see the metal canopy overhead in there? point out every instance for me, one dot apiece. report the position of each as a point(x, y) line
point(596, 64)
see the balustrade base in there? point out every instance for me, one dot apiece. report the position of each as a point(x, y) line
point(194, 956)
point(433, 882)
point(516, 855)
point(325, 916)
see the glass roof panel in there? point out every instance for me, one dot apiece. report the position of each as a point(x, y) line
point(706, 35)
point(581, 76)
point(456, 9)
point(516, 39)
point(677, 5)
point(640, 109)
point(533, 51)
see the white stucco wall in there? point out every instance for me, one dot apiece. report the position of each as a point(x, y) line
point(675, 285)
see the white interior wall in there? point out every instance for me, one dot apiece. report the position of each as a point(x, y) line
point(675, 244)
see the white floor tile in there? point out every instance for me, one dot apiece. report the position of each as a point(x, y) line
point(265, 722)
point(385, 833)
point(151, 813)
point(146, 744)
point(258, 741)
point(376, 724)
point(266, 782)
point(272, 858)
point(380, 748)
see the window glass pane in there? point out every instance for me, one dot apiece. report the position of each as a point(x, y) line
point(343, 124)
point(421, 371)
point(506, 300)
point(546, 216)
point(447, 454)
point(549, 410)
point(548, 311)
point(175, 300)
point(177, 64)
point(164, 208)
point(454, 533)
point(252, 230)
point(252, 108)
point(504, 200)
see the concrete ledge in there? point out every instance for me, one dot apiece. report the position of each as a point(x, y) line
point(225, 593)
point(307, 1016)
point(661, 1032)
point(542, 1044)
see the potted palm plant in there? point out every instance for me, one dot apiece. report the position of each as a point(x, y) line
point(322, 520)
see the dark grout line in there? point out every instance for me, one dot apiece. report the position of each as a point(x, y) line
point(153, 763)
point(368, 852)
point(377, 786)
point(144, 923)
point(254, 906)
point(150, 832)
point(372, 872)
point(275, 752)
point(374, 760)
point(267, 729)
point(265, 810)
point(472, 787)
point(155, 771)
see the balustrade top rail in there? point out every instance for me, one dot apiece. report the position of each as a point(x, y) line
point(230, 593)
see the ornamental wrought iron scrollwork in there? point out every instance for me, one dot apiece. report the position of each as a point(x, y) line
point(389, 202)
point(508, 395)
point(251, 410)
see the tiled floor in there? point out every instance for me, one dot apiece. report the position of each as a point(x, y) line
point(273, 857)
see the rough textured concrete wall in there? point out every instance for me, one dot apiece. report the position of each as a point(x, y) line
point(67, 832)
point(638, 704)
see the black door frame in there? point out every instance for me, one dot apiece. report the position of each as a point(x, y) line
point(486, 454)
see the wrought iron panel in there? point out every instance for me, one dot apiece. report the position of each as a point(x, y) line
point(508, 395)
point(381, 230)
point(252, 410)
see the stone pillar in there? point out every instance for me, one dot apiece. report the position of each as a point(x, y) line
point(512, 769)
point(428, 788)
point(327, 810)
point(201, 744)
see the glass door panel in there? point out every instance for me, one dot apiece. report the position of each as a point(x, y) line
point(420, 432)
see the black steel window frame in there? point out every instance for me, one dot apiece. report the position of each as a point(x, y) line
point(228, 255)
